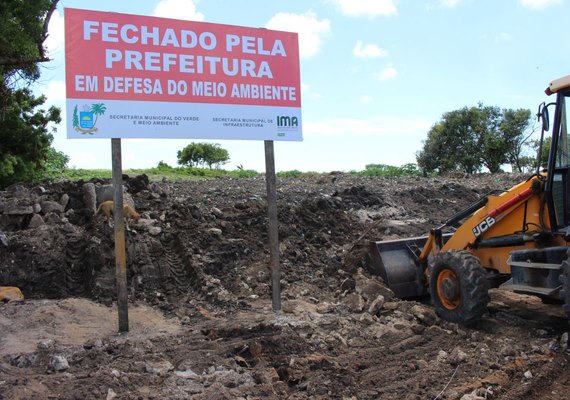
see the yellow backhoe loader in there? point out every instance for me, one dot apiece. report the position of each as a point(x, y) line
point(517, 239)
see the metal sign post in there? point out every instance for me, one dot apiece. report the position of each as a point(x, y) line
point(273, 225)
point(120, 253)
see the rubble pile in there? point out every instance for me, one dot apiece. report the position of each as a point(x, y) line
point(202, 324)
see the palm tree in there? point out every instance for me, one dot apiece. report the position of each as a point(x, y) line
point(98, 109)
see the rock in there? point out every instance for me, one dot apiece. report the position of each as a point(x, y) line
point(442, 356)
point(563, 338)
point(138, 183)
point(472, 396)
point(217, 212)
point(187, 374)
point(64, 200)
point(354, 302)
point(46, 344)
point(107, 192)
point(370, 288)
point(457, 356)
point(287, 307)
point(424, 314)
point(111, 394)
point(23, 360)
point(528, 375)
point(58, 363)
point(89, 196)
point(376, 305)
point(49, 206)
point(215, 231)
point(160, 367)
point(54, 219)
point(38, 190)
point(347, 285)
point(325, 308)
point(15, 207)
point(270, 375)
point(154, 230)
point(36, 221)
point(3, 239)
point(18, 191)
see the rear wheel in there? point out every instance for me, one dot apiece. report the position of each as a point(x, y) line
point(565, 281)
point(459, 289)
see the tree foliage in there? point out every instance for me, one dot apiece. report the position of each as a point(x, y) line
point(24, 133)
point(25, 137)
point(23, 30)
point(202, 154)
point(469, 139)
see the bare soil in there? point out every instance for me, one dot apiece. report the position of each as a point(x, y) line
point(201, 324)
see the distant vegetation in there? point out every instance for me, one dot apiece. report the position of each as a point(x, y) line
point(59, 172)
point(472, 139)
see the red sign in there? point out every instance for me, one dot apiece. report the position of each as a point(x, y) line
point(113, 57)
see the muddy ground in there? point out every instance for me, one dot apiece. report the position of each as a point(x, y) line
point(200, 313)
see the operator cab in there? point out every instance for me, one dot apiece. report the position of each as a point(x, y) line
point(558, 184)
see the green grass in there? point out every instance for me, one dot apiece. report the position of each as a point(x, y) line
point(176, 174)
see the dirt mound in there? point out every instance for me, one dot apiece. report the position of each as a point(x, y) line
point(199, 292)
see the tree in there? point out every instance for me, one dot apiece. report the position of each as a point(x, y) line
point(203, 154)
point(514, 122)
point(25, 137)
point(215, 155)
point(24, 124)
point(23, 30)
point(544, 151)
point(469, 139)
point(190, 155)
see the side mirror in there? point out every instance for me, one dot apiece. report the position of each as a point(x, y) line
point(544, 116)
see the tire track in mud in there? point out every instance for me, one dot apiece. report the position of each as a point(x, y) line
point(181, 276)
point(75, 276)
point(177, 267)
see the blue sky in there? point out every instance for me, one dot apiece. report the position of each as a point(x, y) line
point(375, 74)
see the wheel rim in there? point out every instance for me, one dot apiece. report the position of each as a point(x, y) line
point(448, 289)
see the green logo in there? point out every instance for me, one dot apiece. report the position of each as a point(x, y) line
point(85, 121)
point(285, 121)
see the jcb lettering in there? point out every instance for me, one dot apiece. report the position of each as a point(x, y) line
point(483, 226)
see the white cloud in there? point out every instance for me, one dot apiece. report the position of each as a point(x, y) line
point(55, 40)
point(311, 30)
point(55, 91)
point(368, 51)
point(366, 99)
point(307, 92)
point(178, 9)
point(539, 4)
point(387, 73)
point(370, 8)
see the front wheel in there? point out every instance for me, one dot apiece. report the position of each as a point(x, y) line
point(459, 289)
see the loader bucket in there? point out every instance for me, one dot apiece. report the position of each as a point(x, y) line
point(396, 261)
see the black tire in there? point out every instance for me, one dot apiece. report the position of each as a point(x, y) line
point(565, 281)
point(458, 287)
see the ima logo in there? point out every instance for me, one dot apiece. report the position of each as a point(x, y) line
point(287, 122)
